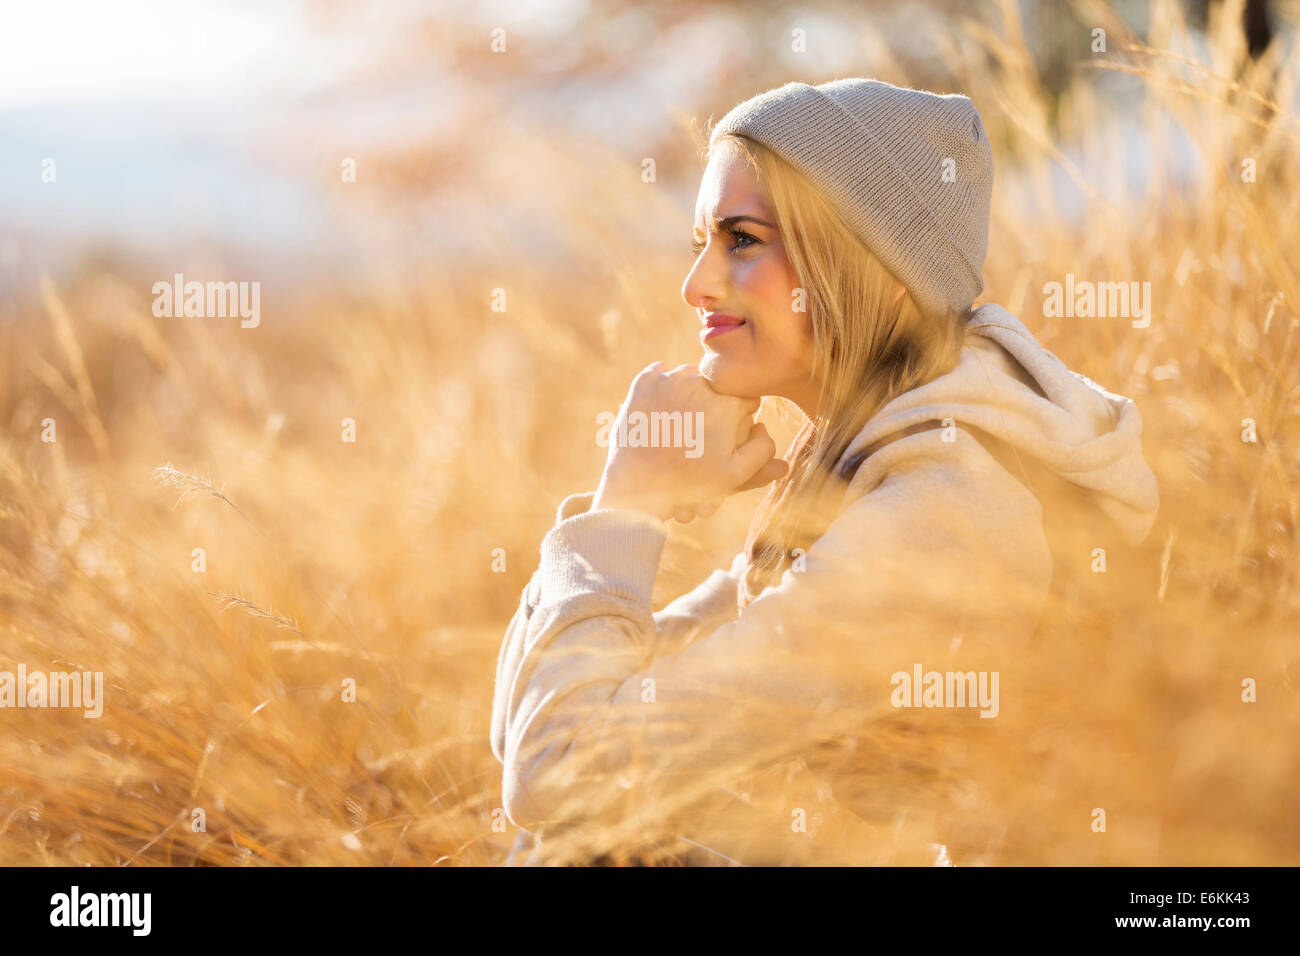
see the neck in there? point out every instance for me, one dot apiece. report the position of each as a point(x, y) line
point(807, 395)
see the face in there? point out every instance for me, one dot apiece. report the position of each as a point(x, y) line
point(742, 287)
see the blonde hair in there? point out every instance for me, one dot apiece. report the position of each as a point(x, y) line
point(870, 340)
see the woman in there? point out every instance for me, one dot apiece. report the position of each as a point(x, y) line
point(840, 235)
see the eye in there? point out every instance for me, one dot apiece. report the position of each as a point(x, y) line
point(742, 240)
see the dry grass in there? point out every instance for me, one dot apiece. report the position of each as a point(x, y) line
point(472, 425)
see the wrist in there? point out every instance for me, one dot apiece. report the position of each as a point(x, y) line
point(615, 494)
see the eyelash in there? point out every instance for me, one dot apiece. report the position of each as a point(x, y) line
point(697, 247)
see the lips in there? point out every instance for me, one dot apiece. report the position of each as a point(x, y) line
point(719, 323)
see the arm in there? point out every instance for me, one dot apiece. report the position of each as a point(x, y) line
point(685, 618)
point(594, 725)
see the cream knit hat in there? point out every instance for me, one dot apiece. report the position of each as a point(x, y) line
point(911, 172)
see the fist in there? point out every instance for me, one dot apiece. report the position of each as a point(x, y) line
point(677, 448)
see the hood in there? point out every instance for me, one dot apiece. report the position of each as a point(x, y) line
point(1008, 385)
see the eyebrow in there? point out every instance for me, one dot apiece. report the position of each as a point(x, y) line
point(732, 220)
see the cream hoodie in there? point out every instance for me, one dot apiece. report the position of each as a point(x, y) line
point(604, 707)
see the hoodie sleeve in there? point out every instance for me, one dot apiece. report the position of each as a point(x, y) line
point(592, 724)
point(685, 618)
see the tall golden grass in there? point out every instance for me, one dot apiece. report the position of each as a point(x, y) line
point(373, 561)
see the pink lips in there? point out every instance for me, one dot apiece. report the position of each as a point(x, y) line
point(719, 323)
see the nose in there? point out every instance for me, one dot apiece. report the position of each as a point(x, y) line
point(706, 283)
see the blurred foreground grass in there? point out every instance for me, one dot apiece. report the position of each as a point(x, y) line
point(373, 561)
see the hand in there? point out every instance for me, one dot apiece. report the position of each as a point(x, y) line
point(687, 448)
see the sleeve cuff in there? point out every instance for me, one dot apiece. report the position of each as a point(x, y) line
point(612, 551)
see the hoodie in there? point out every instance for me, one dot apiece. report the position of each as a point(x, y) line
point(938, 555)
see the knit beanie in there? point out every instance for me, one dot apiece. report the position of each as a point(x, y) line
point(911, 172)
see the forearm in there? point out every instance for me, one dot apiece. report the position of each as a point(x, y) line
point(592, 628)
point(508, 659)
point(554, 579)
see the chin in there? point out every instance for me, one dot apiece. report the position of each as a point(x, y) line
point(726, 377)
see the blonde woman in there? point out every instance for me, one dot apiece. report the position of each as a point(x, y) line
point(840, 233)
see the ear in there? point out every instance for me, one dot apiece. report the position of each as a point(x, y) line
point(899, 293)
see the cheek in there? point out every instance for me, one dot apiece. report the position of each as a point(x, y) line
point(784, 326)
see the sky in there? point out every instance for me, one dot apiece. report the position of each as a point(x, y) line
point(191, 124)
point(79, 51)
point(154, 113)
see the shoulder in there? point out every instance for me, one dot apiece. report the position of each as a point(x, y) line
point(944, 506)
point(956, 469)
